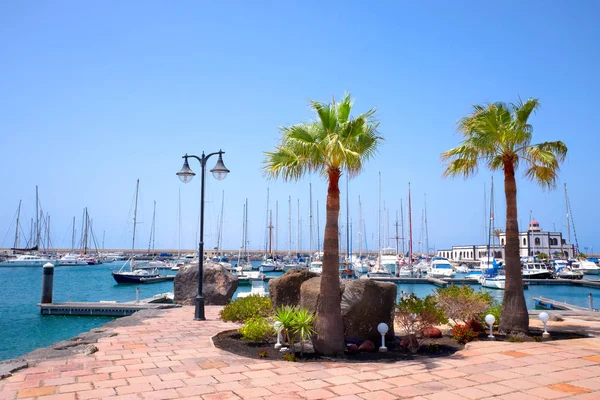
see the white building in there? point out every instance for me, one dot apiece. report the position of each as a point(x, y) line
point(531, 243)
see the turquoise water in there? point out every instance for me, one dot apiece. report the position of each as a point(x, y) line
point(23, 329)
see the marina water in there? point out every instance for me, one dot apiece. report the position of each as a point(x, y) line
point(24, 329)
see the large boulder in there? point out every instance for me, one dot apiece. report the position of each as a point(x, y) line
point(366, 304)
point(309, 293)
point(218, 285)
point(285, 290)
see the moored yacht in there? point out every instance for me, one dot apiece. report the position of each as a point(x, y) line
point(440, 268)
point(585, 266)
point(70, 260)
point(535, 270)
point(27, 260)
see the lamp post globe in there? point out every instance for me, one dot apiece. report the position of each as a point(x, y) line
point(185, 174)
point(219, 171)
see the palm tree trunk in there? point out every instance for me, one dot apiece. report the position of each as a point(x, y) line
point(329, 337)
point(514, 316)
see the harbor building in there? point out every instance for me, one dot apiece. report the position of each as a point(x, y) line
point(531, 243)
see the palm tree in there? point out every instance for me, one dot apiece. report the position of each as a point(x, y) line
point(333, 144)
point(499, 135)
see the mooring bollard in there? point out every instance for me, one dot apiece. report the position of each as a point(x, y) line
point(137, 294)
point(47, 282)
point(591, 298)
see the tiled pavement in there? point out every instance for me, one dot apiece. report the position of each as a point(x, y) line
point(173, 357)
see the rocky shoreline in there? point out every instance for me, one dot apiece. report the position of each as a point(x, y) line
point(84, 343)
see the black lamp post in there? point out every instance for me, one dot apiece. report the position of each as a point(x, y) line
point(186, 175)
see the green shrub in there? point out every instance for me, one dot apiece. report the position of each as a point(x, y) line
point(414, 315)
point(463, 334)
point(495, 309)
point(257, 329)
point(247, 307)
point(463, 303)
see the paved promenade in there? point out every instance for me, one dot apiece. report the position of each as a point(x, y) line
point(173, 357)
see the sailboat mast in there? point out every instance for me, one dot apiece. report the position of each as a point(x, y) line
point(360, 233)
point(73, 237)
point(246, 232)
point(290, 226)
point(271, 232)
point(103, 235)
point(137, 188)
point(567, 209)
point(318, 233)
point(276, 225)
point(87, 226)
point(298, 230)
point(16, 244)
point(379, 220)
point(410, 241)
point(491, 226)
point(47, 232)
point(267, 225)
point(310, 221)
point(402, 225)
point(426, 230)
point(152, 229)
point(179, 225)
point(397, 238)
point(348, 255)
point(220, 235)
point(243, 234)
point(37, 218)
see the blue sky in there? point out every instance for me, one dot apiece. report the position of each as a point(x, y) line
point(95, 95)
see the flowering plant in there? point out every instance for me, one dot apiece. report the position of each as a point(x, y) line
point(291, 357)
point(463, 334)
point(263, 354)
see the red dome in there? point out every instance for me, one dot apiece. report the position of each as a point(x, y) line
point(534, 223)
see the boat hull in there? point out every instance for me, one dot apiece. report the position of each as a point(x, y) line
point(128, 278)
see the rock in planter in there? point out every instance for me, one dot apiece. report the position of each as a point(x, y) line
point(476, 325)
point(309, 293)
point(367, 345)
point(432, 333)
point(365, 304)
point(285, 290)
point(410, 343)
point(218, 285)
point(352, 348)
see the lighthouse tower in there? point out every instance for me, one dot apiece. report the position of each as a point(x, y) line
point(534, 226)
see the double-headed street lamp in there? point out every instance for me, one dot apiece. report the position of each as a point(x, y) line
point(186, 175)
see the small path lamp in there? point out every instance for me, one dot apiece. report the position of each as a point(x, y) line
point(382, 328)
point(490, 319)
point(544, 317)
point(186, 174)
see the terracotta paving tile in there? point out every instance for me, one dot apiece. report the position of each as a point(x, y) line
point(313, 384)
point(401, 381)
point(496, 389)
point(230, 377)
point(471, 393)
point(189, 391)
point(341, 379)
point(33, 392)
point(160, 395)
point(546, 393)
point(444, 396)
point(95, 394)
point(375, 385)
point(568, 388)
point(64, 396)
point(249, 393)
point(378, 395)
point(458, 383)
point(220, 396)
point(317, 394)
point(592, 358)
point(228, 386)
point(347, 389)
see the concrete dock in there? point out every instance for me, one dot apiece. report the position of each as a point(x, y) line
point(551, 304)
point(106, 308)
